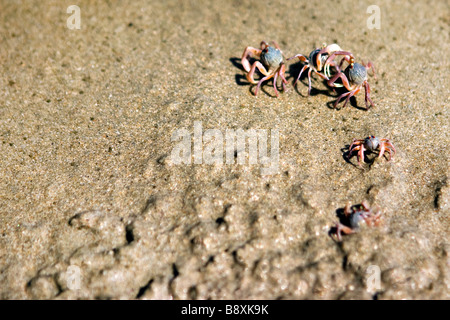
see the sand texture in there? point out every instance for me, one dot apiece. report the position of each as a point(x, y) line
point(88, 181)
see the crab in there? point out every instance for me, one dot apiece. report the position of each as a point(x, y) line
point(354, 216)
point(371, 144)
point(319, 62)
point(271, 65)
point(354, 77)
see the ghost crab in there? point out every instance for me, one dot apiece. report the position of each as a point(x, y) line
point(354, 77)
point(354, 216)
point(271, 64)
point(319, 61)
point(371, 144)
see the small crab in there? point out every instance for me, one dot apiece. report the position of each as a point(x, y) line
point(318, 61)
point(371, 144)
point(354, 216)
point(271, 65)
point(353, 78)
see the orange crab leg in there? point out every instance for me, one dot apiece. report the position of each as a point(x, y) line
point(300, 57)
point(344, 81)
point(324, 77)
point(347, 209)
point(261, 81)
point(249, 52)
point(334, 54)
point(275, 78)
point(342, 228)
point(382, 150)
point(309, 81)
point(356, 141)
point(260, 67)
point(370, 65)
point(361, 154)
point(348, 95)
point(387, 142)
point(282, 72)
point(367, 95)
point(300, 74)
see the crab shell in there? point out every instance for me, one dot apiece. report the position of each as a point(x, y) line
point(356, 74)
point(356, 218)
point(371, 143)
point(271, 58)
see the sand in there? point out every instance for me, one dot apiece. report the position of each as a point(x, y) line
point(89, 187)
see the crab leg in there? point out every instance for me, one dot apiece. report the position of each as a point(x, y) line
point(282, 72)
point(370, 66)
point(309, 81)
point(342, 228)
point(328, 50)
point(344, 79)
point(324, 77)
point(337, 53)
point(261, 81)
point(355, 141)
point(348, 95)
point(351, 89)
point(302, 58)
point(260, 67)
point(389, 144)
point(367, 95)
point(300, 74)
point(382, 150)
point(386, 146)
point(249, 52)
point(275, 78)
point(346, 58)
point(352, 93)
point(348, 209)
point(361, 154)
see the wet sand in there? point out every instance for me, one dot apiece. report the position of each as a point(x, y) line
point(88, 180)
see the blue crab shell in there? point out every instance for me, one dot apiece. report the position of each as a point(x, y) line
point(356, 74)
point(371, 143)
point(271, 58)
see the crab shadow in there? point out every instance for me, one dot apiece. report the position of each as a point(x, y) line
point(241, 80)
point(369, 157)
point(338, 92)
point(294, 70)
point(332, 233)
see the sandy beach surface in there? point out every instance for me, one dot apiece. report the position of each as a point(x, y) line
point(93, 204)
